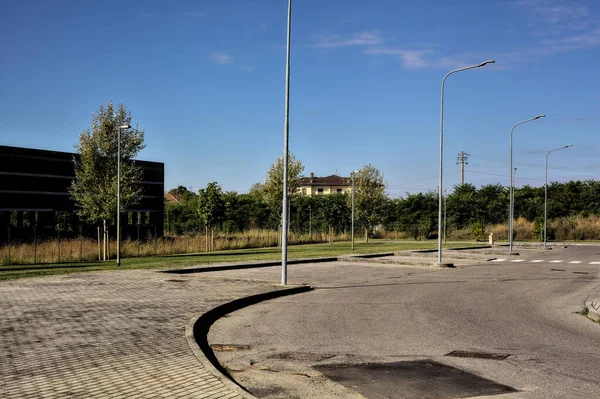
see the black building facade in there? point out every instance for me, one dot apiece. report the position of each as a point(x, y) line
point(34, 192)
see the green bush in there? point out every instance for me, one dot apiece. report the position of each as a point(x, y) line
point(478, 231)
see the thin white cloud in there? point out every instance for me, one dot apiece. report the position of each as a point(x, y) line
point(221, 58)
point(556, 26)
point(555, 17)
point(581, 41)
point(358, 39)
point(409, 58)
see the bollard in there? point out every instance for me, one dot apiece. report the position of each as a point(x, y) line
point(491, 239)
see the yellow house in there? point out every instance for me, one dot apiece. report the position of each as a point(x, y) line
point(333, 184)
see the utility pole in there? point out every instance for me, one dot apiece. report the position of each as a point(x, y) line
point(462, 159)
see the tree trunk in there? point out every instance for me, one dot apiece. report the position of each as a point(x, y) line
point(212, 239)
point(99, 250)
point(366, 234)
point(206, 237)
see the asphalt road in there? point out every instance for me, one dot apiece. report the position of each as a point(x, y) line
point(405, 320)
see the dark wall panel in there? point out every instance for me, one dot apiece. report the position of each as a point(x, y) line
point(38, 180)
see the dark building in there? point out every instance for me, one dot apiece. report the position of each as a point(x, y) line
point(34, 192)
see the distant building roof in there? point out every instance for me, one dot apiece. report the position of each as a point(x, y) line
point(173, 198)
point(333, 180)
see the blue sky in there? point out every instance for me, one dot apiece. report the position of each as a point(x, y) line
point(206, 81)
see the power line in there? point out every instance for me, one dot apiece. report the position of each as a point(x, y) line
point(494, 174)
point(418, 181)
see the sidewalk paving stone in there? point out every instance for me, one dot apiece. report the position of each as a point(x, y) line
point(110, 334)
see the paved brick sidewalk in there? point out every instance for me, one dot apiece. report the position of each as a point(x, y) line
point(109, 335)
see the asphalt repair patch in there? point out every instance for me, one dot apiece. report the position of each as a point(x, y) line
point(411, 379)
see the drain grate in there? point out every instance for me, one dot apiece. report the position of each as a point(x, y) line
point(229, 347)
point(580, 272)
point(478, 355)
point(176, 281)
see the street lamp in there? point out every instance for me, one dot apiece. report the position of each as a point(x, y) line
point(286, 131)
point(352, 229)
point(510, 194)
point(442, 151)
point(546, 188)
point(122, 127)
point(514, 183)
point(445, 213)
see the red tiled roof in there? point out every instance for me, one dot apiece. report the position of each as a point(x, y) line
point(171, 198)
point(333, 180)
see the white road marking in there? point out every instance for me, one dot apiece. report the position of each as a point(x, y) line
point(556, 261)
point(499, 260)
point(537, 261)
point(575, 261)
point(518, 260)
point(594, 263)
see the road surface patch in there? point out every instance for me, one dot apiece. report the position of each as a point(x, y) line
point(411, 379)
point(478, 355)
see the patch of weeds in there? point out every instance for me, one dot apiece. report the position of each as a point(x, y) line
point(585, 311)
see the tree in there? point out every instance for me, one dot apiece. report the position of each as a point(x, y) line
point(272, 189)
point(369, 198)
point(211, 207)
point(94, 188)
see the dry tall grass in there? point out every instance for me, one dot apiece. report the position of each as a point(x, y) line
point(76, 250)
point(562, 229)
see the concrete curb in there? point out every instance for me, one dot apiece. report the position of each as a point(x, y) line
point(247, 265)
point(196, 333)
point(593, 306)
point(390, 261)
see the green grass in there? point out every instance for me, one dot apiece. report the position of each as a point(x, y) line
point(257, 254)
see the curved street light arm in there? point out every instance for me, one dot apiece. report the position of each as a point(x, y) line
point(546, 190)
point(442, 150)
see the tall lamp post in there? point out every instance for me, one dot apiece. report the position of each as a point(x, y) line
point(510, 194)
point(352, 229)
point(442, 151)
point(122, 127)
point(546, 188)
point(514, 183)
point(286, 129)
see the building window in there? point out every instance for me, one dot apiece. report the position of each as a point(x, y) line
point(339, 190)
point(320, 191)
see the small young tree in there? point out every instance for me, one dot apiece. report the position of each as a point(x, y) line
point(211, 208)
point(369, 198)
point(272, 189)
point(94, 188)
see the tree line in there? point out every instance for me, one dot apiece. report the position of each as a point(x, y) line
point(415, 215)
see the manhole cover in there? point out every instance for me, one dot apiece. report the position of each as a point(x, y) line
point(301, 356)
point(411, 379)
point(229, 347)
point(478, 355)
